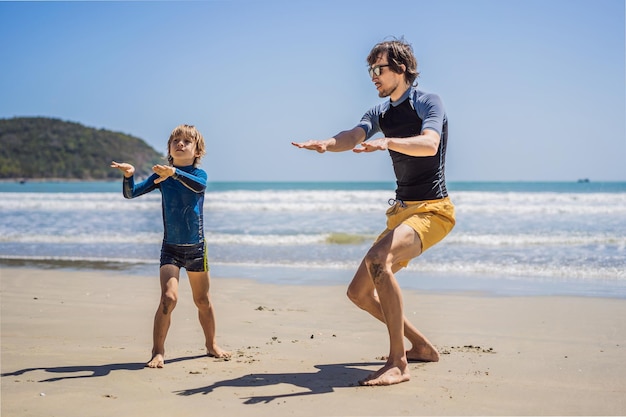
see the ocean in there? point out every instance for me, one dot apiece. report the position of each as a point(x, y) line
point(511, 239)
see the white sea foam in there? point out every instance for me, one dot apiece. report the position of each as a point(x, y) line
point(102, 202)
point(298, 201)
point(486, 203)
point(524, 240)
point(81, 238)
point(545, 203)
point(499, 270)
point(499, 235)
point(486, 240)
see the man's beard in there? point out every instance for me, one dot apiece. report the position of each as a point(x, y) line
point(384, 93)
point(387, 92)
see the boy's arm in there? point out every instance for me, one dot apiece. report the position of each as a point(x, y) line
point(129, 188)
point(132, 190)
point(127, 169)
point(195, 181)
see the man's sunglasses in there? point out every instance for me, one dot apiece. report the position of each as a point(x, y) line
point(375, 70)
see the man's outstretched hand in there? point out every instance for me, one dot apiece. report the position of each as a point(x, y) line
point(372, 146)
point(313, 145)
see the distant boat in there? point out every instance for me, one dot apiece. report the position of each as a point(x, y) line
point(583, 180)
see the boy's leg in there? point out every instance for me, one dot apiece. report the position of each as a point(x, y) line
point(169, 276)
point(200, 289)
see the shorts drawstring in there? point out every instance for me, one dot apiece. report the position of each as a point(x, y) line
point(393, 201)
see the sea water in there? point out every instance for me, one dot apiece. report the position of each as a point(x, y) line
point(510, 238)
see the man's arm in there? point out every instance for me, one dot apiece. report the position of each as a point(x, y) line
point(425, 144)
point(342, 141)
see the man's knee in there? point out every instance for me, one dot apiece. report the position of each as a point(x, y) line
point(377, 262)
point(376, 255)
point(353, 295)
point(359, 297)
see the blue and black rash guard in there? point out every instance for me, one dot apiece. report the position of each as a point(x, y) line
point(417, 177)
point(182, 203)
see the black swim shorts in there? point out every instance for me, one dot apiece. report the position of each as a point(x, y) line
point(191, 257)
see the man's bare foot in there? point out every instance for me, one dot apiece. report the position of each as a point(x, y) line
point(387, 375)
point(216, 352)
point(424, 353)
point(157, 361)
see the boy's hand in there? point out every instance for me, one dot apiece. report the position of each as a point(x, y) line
point(163, 171)
point(127, 169)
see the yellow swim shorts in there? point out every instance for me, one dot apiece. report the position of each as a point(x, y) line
point(432, 220)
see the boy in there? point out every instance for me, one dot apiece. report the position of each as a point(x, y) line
point(182, 185)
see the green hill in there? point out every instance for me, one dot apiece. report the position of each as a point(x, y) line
point(44, 148)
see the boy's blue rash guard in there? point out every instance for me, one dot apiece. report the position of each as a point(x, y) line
point(182, 203)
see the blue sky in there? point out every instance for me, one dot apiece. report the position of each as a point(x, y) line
point(534, 90)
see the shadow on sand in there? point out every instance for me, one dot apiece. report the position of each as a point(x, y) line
point(325, 380)
point(92, 370)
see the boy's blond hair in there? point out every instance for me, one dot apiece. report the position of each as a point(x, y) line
point(187, 132)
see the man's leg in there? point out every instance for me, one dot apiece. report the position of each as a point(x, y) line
point(375, 289)
point(169, 275)
point(362, 293)
point(200, 282)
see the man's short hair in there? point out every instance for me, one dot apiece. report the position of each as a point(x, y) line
point(399, 52)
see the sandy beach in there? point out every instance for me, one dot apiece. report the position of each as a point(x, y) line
point(74, 343)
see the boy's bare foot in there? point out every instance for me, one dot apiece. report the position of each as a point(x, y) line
point(216, 352)
point(387, 375)
point(157, 361)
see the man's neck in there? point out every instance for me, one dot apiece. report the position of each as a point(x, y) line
point(399, 92)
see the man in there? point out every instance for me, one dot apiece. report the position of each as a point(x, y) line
point(415, 128)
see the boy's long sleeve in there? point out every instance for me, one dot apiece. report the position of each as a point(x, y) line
point(132, 190)
point(195, 183)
